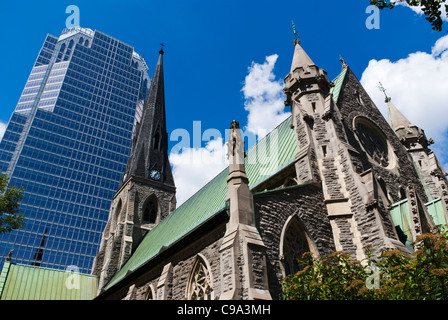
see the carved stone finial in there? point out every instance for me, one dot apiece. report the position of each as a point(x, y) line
point(8, 258)
point(234, 125)
point(235, 145)
point(344, 64)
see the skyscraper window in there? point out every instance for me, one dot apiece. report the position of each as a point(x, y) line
point(67, 143)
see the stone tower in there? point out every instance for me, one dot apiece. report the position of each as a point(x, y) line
point(348, 147)
point(146, 194)
point(425, 161)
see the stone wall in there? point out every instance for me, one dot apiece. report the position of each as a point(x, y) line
point(272, 210)
point(181, 260)
point(373, 219)
point(354, 101)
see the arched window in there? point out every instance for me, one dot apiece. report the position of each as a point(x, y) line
point(61, 52)
point(116, 216)
point(199, 283)
point(403, 194)
point(150, 211)
point(156, 142)
point(81, 40)
point(149, 294)
point(86, 43)
point(295, 244)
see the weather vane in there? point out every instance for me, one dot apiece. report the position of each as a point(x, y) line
point(296, 34)
point(384, 91)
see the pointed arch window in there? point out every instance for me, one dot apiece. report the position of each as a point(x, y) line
point(150, 294)
point(150, 210)
point(295, 244)
point(61, 52)
point(156, 142)
point(116, 216)
point(199, 284)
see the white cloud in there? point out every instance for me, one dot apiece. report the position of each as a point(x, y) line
point(264, 97)
point(2, 129)
point(418, 86)
point(194, 167)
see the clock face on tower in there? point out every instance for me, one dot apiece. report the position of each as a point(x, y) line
point(154, 175)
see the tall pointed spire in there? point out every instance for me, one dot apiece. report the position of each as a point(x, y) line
point(305, 75)
point(300, 58)
point(408, 132)
point(395, 118)
point(149, 155)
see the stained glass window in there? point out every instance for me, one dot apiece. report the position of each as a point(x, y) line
point(295, 245)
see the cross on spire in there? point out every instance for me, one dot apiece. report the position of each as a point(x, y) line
point(384, 91)
point(296, 34)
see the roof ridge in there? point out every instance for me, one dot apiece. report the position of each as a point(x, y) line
point(48, 268)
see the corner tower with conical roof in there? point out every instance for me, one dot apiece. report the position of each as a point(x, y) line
point(431, 172)
point(342, 147)
point(146, 194)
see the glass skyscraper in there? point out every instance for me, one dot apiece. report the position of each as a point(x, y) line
point(67, 143)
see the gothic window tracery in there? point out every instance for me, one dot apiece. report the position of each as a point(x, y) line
point(372, 141)
point(295, 244)
point(149, 294)
point(199, 286)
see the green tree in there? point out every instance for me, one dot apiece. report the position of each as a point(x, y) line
point(431, 9)
point(422, 275)
point(10, 198)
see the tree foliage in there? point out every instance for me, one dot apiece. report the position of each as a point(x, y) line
point(10, 198)
point(422, 275)
point(431, 9)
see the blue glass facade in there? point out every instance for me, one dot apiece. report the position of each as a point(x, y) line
point(67, 143)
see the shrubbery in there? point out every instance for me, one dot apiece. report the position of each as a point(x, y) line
point(423, 275)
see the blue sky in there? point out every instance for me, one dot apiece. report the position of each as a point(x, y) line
point(211, 46)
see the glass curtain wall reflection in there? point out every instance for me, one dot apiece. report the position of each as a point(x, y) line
point(67, 143)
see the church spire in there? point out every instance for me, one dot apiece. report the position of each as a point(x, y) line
point(149, 155)
point(305, 76)
point(408, 132)
point(300, 58)
point(395, 118)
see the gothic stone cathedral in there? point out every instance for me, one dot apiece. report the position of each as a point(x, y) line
point(333, 176)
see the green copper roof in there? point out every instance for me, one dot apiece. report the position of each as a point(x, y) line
point(269, 156)
point(264, 159)
point(24, 282)
point(338, 84)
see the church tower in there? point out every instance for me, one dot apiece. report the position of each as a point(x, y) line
point(431, 173)
point(346, 145)
point(146, 194)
